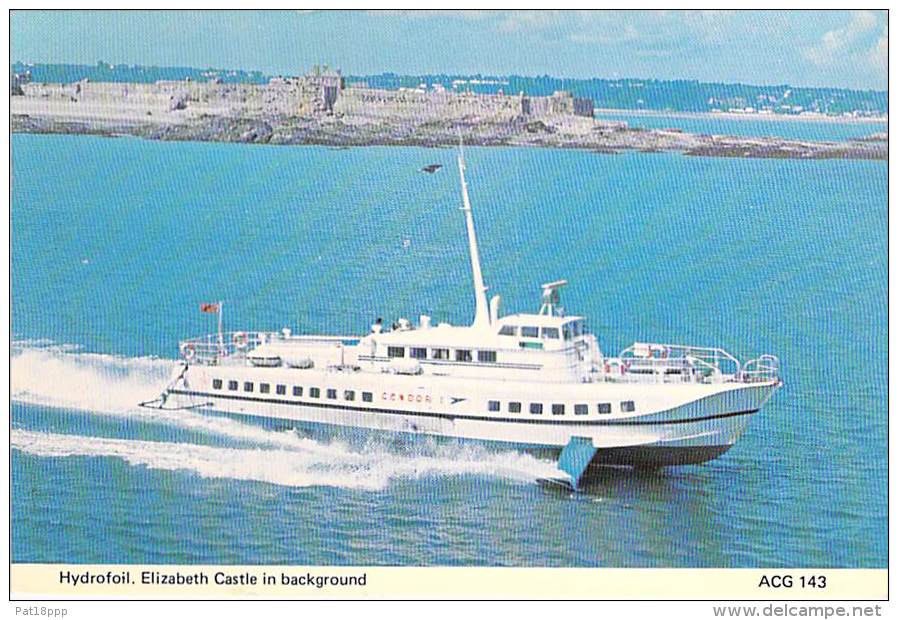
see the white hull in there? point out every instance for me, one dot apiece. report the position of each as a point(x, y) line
point(672, 425)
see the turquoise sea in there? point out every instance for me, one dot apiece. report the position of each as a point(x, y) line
point(115, 242)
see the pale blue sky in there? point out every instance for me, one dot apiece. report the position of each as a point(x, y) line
point(805, 48)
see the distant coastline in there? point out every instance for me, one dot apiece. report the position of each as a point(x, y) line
point(636, 95)
point(321, 109)
point(748, 116)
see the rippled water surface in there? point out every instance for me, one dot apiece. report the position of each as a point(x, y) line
point(116, 241)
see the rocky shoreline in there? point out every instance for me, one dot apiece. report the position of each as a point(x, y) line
point(347, 131)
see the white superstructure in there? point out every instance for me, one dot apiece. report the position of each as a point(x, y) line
point(535, 381)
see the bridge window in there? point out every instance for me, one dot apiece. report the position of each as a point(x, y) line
point(557, 409)
point(581, 409)
point(439, 354)
point(367, 397)
point(297, 390)
point(264, 388)
point(508, 330)
point(418, 353)
point(604, 407)
point(514, 407)
point(463, 355)
point(486, 356)
point(529, 332)
point(536, 408)
point(248, 386)
point(627, 406)
point(573, 330)
point(216, 384)
point(349, 395)
point(395, 351)
point(493, 405)
point(281, 389)
point(232, 385)
point(550, 332)
point(315, 392)
point(331, 393)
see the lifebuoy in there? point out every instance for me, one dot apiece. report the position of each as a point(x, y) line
point(240, 340)
point(188, 351)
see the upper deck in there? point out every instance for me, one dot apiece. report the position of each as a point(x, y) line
point(533, 331)
point(465, 353)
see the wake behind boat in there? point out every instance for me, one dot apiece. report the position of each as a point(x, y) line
point(536, 382)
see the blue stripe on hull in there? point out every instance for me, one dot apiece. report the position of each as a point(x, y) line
point(652, 421)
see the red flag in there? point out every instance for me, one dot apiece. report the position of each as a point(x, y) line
point(209, 308)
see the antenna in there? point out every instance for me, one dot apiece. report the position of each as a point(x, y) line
point(481, 309)
point(552, 299)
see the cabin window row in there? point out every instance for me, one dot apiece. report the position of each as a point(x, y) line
point(547, 333)
point(460, 355)
point(569, 331)
point(297, 390)
point(626, 406)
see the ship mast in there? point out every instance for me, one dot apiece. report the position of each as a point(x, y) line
point(481, 309)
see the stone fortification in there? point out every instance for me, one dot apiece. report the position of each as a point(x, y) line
point(309, 96)
point(293, 96)
point(442, 105)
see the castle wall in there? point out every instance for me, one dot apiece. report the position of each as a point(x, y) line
point(584, 107)
point(448, 105)
point(294, 97)
point(426, 106)
point(314, 94)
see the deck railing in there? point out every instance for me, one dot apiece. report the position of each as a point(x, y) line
point(213, 349)
point(762, 368)
point(675, 362)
